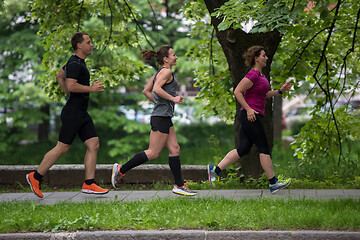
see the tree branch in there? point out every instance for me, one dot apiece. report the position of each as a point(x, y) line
point(156, 22)
point(212, 68)
point(293, 6)
point(137, 23)
point(81, 7)
point(326, 92)
point(356, 26)
point(349, 51)
point(111, 30)
point(303, 50)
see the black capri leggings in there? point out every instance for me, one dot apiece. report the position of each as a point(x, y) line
point(252, 133)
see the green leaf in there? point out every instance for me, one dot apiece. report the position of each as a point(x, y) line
point(223, 26)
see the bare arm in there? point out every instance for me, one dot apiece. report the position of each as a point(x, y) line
point(148, 88)
point(73, 86)
point(283, 89)
point(165, 76)
point(60, 77)
point(244, 85)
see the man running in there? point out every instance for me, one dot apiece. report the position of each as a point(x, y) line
point(74, 117)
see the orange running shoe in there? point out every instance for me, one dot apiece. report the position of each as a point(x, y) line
point(93, 189)
point(34, 184)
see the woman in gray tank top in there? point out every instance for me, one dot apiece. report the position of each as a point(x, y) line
point(161, 90)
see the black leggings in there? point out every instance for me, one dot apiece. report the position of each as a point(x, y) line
point(252, 133)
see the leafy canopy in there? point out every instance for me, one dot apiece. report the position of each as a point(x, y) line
point(107, 23)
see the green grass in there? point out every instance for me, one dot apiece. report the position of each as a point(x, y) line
point(183, 213)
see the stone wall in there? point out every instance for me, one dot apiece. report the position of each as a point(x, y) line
point(73, 174)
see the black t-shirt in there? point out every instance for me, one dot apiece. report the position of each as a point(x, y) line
point(76, 68)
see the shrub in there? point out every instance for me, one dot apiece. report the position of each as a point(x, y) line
point(318, 148)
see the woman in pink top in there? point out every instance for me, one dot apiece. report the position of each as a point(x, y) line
point(251, 93)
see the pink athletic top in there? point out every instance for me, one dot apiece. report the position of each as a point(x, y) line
point(255, 96)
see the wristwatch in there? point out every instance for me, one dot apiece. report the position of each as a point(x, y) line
point(280, 92)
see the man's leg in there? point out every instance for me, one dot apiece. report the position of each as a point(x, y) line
point(52, 156)
point(90, 186)
point(34, 178)
point(92, 146)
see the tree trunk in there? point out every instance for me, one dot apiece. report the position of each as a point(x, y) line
point(43, 130)
point(234, 44)
point(166, 4)
point(277, 117)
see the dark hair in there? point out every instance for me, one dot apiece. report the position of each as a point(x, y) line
point(159, 54)
point(77, 38)
point(251, 53)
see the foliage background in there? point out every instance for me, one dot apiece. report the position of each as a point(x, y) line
point(319, 51)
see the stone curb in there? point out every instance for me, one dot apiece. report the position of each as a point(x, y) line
point(73, 174)
point(186, 234)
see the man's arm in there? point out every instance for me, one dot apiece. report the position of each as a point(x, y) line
point(60, 77)
point(73, 86)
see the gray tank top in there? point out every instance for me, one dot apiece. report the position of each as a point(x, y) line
point(163, 107)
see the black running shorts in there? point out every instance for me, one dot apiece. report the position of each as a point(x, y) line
point(75, 122)
point(161, 124)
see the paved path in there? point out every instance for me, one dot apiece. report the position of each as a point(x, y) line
point(54, 197)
